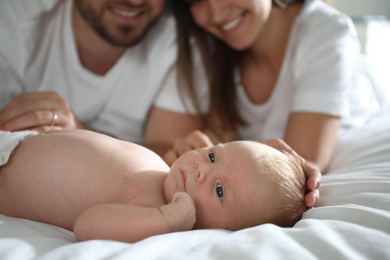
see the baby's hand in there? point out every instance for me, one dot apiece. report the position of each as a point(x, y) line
point(180, 213)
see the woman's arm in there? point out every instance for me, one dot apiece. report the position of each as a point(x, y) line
point(313, 136)
point(164, 127)
point(130, 223)
point(324, 74)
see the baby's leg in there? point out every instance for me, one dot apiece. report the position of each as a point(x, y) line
point(23, 183)
point(9, 141)
point(9, 144)
point(45, 179)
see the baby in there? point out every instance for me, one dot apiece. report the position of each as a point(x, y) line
point(104, 188)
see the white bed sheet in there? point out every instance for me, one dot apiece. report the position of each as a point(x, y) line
point(351, 221)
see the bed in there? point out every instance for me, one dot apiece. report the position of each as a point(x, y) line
point(350, 221)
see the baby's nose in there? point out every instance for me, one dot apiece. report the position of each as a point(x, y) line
point(201, 172)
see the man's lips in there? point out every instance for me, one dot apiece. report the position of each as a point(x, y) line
point(126, 13)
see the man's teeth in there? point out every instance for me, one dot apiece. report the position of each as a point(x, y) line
point(127, 14)
point(232, 24)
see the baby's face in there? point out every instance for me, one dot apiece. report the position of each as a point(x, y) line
point(228, 191)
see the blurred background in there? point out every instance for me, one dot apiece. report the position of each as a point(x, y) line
point(356, 8)
point(372, 21)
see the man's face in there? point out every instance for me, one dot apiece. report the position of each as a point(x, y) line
point(121, 23)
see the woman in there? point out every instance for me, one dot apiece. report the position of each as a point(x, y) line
point(277, 69)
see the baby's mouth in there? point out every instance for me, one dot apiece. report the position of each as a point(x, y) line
point(183, 176)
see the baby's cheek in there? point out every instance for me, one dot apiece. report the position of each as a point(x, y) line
point(168, 190)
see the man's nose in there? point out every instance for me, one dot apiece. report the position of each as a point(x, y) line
point(135, 3)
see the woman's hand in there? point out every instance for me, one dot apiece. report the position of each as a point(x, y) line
point(194, 140)
point(313, 175)
point(313, 181)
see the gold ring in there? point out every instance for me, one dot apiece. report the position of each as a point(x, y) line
point(53, 121)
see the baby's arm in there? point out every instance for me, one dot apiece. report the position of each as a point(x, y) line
point(130, 223)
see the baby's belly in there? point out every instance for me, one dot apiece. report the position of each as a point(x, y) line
point(60, 201)
point(53, 180)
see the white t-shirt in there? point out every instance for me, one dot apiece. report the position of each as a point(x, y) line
point(38, 53)
point(322, 72)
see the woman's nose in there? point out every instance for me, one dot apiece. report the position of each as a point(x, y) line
point(217, 10)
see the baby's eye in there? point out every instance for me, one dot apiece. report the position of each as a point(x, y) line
point(219, 191)
point(211, 156)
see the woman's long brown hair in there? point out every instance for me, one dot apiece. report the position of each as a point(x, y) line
point(219, 61)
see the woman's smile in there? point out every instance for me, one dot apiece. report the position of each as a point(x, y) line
point(230, 26)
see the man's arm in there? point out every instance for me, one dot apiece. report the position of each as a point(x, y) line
point(36, 111)
point(130, 223)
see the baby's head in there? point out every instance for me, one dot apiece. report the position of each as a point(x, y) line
point(285, 175)
point(239, 185)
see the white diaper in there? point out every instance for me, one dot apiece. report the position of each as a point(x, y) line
point(8, 142)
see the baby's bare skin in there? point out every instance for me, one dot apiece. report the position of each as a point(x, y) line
point(103, 188)
point(80, 180)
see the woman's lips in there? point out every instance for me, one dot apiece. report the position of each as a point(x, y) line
point(233, 24)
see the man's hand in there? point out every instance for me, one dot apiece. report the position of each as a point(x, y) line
point(194, 140)
point(180, 213)
point(313, 175)
point(38, 111)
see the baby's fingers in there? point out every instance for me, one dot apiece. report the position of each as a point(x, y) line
point(182, 197)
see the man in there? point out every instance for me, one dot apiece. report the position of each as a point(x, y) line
point(105, 65)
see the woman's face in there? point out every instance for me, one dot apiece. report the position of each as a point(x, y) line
point(236, 22)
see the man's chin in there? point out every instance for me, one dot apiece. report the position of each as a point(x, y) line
point(126, 36)
point(124, 42)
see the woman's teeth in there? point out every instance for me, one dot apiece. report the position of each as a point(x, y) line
point(232, 24)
